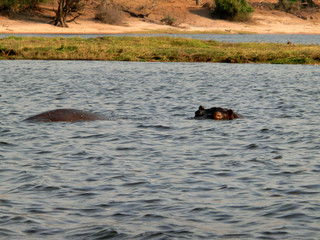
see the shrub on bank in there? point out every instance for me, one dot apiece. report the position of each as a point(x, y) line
point(294, 5)
point(108, 13)
point(15, 6)
point(235, 10)
point(169, 20)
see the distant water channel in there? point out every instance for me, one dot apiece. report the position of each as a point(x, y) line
point(152, 171)
point(234, 38)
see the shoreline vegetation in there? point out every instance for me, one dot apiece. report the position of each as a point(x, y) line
point(155, 49)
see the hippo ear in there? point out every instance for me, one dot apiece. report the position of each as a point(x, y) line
point(230, 113)
point(201, 107)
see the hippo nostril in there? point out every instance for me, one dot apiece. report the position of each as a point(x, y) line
point(199, 113)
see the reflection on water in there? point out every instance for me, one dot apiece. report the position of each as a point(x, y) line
point(152, 171)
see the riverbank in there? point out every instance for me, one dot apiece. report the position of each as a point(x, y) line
point(155, 49)
point(189, 18)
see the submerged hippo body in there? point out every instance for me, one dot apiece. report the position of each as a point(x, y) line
point(216, 113)
point(65, 115)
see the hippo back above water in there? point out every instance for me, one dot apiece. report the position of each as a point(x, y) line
point(216, 113)
point(66, 115)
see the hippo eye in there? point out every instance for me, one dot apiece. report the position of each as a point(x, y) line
point(217, 116)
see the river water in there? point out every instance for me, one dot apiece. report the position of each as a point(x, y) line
point(152, 171)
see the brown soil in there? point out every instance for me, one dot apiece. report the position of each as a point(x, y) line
point(186, 16)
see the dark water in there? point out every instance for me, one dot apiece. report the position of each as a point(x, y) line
point(151, 171)
point(234, 38)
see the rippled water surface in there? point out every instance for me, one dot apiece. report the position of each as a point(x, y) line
point(152, 171)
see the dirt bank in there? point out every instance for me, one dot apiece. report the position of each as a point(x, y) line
point(189, 18)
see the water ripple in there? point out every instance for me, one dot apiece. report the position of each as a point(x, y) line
point(153, 172)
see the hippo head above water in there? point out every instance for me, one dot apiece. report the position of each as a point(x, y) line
point(65, 115)
point(216, 113)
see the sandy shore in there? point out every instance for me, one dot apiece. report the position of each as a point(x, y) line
point(274, 22)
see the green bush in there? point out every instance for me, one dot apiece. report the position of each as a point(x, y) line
point(293, 5)
point(18, 5)
point(169, 20)
point(235, 10)
point(288, 5)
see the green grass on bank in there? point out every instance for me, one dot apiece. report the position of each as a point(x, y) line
point(155, 49)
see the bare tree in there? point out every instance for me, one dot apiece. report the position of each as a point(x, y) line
point(67, 8)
